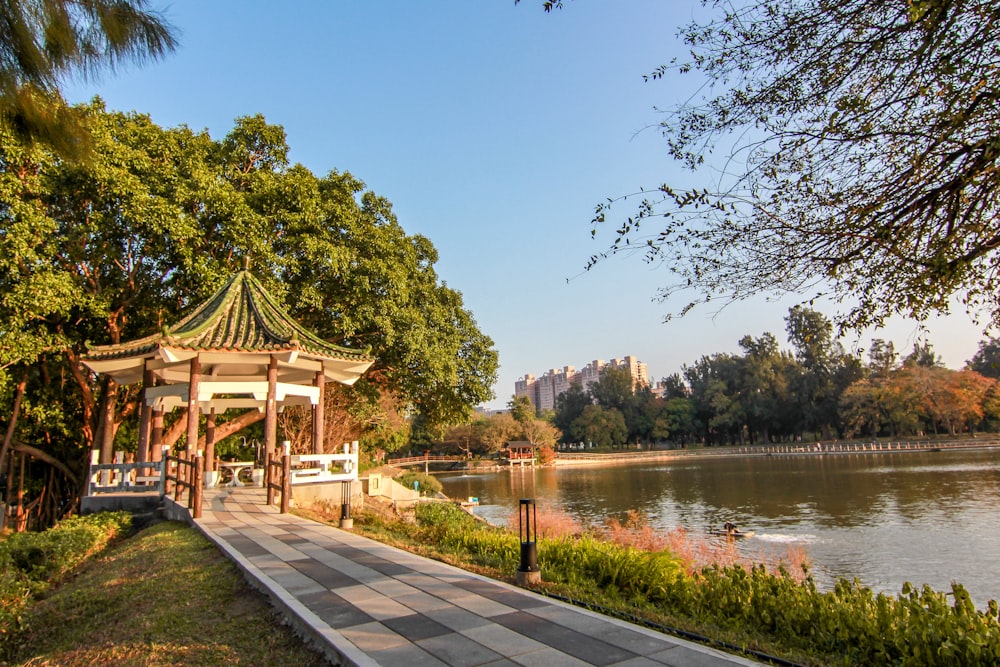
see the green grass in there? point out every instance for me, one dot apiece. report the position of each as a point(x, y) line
point(165, 596)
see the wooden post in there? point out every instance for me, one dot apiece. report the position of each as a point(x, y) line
point(286, 478)
point(319, 412)
point(210, 441)
point(156, 435)
point(193, 412)
point(268, 477)
point(145, 416)
point(271, 407)
point(165, 462)
point(194, 497)
point(178, 484)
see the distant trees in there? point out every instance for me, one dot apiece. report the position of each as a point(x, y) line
point(488, 435)
point(986, 361)
point(816, 390)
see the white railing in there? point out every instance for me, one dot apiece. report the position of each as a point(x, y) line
point(309, 468)
point(122, 477)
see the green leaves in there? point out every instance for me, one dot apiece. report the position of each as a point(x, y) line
point(857, 158)
point(112, 249)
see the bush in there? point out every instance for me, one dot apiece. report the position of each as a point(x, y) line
point(428, 485)
point(31, 562)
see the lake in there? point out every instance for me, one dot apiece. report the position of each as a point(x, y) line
point(884, 518)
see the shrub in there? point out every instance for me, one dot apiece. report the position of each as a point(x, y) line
point(30, 562)
point(428, 485)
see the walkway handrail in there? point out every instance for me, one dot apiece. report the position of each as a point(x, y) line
point(278, 478)
point(187, 475)
point(122, 477)
point(405, 460)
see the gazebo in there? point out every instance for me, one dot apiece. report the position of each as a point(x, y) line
point(238, 349)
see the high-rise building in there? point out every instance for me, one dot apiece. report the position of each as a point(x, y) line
point(543, 391)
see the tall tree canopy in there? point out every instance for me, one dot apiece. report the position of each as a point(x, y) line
point(856, 158)
point(114, 248)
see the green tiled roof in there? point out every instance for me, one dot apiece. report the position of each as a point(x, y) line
point(240, 317)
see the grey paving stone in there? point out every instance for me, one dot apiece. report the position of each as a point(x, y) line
point(458, 651)
point(565, 640)
point(502, 640)
point(371, 637)
point(457, 619)
point(322, 574)
point(416, 627)
point(682, 656)
point(406, 656)
point(549, 657)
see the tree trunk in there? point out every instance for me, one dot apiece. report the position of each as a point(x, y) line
point(235, 425)
point(106, 424)
point(14, 413)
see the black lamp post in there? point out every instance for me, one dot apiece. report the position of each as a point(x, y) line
point(527, 524)
point(346, 522)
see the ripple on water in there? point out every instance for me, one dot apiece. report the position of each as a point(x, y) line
point(787, 538)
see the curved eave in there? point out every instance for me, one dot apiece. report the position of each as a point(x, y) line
point(171, 365)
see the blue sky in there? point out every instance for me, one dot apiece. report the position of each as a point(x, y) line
point(494, 130)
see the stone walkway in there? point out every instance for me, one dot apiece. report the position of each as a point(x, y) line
point(365, 603)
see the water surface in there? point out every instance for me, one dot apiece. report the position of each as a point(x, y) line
point(884, 518)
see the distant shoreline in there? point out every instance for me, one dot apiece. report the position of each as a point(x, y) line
point(564, 459)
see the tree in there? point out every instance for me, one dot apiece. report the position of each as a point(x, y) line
point(614, 390)
point(857, 153)
point(110, 249)
point(826, 370)
point(498, 431)
point(44, 42)
point(766, 376)
point(569, 406)
point(922, 355)
point(540, 433)
point(675, 421)
point(882, 358)
point(673, 387)
point(521, 409)
point(986, 361)
point(600, 426)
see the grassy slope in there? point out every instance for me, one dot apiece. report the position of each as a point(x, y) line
point(166, 596)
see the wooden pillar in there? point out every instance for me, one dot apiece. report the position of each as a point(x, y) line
point(271, 407)
point(156, 435)
point(210, 441)
point(106, 428)
point(319, 413)
point(145, 415)
point(193, 413)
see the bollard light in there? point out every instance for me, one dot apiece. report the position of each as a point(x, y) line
point(528, 571)
point(346, 522)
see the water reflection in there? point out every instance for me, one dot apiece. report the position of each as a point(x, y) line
point(924, 517)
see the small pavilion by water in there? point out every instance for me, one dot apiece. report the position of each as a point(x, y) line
point(239, 349)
